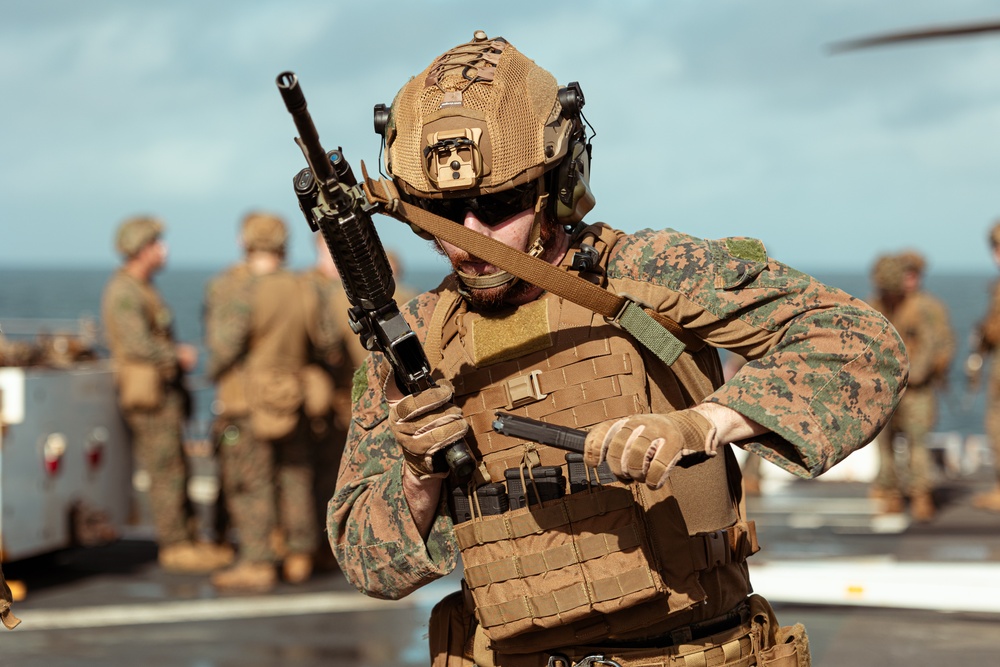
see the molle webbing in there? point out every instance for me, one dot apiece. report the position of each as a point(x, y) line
point(590, 373)
point(661, 335)
point(502, 538)
point(558, 563)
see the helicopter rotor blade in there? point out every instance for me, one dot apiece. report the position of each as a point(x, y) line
point(940, 32)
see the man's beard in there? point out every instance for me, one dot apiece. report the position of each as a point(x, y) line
point(501, 296)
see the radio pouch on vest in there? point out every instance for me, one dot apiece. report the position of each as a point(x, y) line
point(275, 398)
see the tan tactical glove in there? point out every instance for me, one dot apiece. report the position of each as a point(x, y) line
point(423, 423)
point(646, 447)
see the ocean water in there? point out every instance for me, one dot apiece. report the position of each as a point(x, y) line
point(69, 294)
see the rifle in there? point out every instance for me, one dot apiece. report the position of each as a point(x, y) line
point(334, 205)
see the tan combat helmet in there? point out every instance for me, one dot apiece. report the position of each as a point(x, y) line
point(483, 119)
point(887, 274)
point(913, 261)
point(136, 233)
point(265, 232)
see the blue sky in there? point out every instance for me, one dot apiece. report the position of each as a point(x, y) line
point(716, 118)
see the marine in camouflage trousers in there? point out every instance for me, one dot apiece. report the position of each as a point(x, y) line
point(267, 479)
point(158, 446)
point(992, 421)
point(914, 419)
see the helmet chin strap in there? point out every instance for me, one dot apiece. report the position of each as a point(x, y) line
point(535, 249)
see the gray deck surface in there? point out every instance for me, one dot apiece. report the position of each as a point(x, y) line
point(113, 606)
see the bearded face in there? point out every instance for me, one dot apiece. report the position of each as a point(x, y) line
point(514, 232)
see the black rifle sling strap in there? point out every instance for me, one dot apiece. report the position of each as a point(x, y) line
point(661, 335)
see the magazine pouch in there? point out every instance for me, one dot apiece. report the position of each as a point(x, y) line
point(558, 561)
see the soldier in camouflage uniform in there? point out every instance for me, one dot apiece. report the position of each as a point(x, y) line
point(262, 328)
point(328, 390)
point(649, 566)
point(149, 366)
point(922, 321)
point(985, 340)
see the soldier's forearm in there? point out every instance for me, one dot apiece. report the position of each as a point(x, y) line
point(423, 498)
point(730, 426)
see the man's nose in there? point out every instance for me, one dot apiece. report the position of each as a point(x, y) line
point(475, 224)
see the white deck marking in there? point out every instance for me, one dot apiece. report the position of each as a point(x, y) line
point(881, 582)
point(224, 609)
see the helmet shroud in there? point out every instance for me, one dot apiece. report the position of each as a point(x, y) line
point(481, 118)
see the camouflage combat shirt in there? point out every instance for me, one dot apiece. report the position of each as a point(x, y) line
point(825, 372)
point(138, 324)
point(922, 321)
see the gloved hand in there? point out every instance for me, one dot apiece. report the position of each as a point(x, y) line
point(423, 423)
point(646, 447)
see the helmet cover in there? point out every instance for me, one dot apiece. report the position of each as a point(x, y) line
point(136, 233)
point(481, 118)
point(887, 274)
point(264, 232)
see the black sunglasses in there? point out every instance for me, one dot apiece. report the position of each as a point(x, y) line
point(489, 209)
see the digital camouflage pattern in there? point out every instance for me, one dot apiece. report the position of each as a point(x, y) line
point(329, 430)
point(238, 311)
point(226, 318)
point(246, 464)
point(138, 325)
point(989, 330)
point(824, 374)
point(138, 328)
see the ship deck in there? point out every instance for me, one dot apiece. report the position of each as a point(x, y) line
point(871, 590)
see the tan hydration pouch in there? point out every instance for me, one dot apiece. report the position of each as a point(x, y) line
point(557, 562)
point(318, 391)
point(140, 386)
point(275, 399)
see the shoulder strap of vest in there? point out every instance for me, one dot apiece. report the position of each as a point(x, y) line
point(662, 336)
point(448, 301)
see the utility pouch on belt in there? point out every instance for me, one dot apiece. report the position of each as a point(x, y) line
point(451, 631)
point(275, 399)
point(140, 386)
point(317, 386)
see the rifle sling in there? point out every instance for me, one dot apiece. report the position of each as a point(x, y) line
point(661, 335)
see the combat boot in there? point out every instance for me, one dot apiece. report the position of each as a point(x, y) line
point(988, 501)
point(297, 568)
point(246, 576)
point(891, 503)
point(188, 558)
point(922, 507)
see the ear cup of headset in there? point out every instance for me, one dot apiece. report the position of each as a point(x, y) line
point(570, 196)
